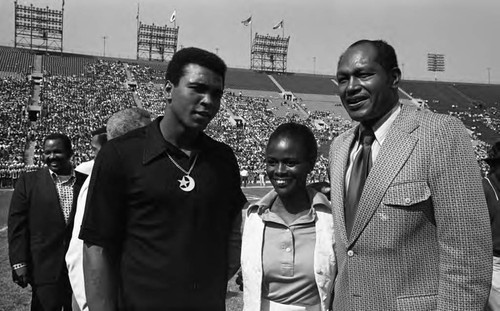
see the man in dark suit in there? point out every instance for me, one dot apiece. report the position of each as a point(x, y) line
point(40, 223)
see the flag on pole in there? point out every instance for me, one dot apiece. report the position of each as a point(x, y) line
point(172, 18)
point(278, 25)
point(247, 21)
point(137, 17)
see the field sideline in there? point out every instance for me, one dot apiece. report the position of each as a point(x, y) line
point(14, 298)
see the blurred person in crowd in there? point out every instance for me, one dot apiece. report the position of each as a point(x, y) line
point(98, 139)
point(411, 222)
point(16, 173)
point(491, 185)
point(39, 225)
point(262, 178)
point(4, 173)
point(287, 256)
point(164, 203)
point(244, 176)
point(118, 124)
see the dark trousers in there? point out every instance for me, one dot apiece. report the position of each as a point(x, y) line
point(53, 296)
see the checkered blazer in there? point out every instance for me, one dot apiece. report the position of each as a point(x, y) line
point(421, 239)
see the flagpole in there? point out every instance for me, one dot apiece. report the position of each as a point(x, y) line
point(283, 28)
point(250, 45)
point(138, 26)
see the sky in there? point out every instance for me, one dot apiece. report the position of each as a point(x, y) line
point(465, 31)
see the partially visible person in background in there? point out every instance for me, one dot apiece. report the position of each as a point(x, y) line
point(287, 256)
point(39, 225)
point(491, 185)
point(99, 138)
point(118, 124)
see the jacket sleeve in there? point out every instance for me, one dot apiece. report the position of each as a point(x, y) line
point(462, 220)
point(18, 224)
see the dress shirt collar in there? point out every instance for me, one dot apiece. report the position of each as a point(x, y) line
point(319, 202)
point(57, 178)
point(156, 144)
point(382, 126)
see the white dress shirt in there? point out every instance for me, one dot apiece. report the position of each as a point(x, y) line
point(74, 255)
point(380, 128)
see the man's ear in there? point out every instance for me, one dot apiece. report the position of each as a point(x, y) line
point(395, 74)
point(168, 89)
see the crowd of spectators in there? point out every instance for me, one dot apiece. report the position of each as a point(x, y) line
point(249, 140)
point(14, 94)
point(78, 104)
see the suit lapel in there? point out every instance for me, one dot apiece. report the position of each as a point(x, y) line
point(396, 149)
point(339, 160)
point(80, 179)
point(52, 191)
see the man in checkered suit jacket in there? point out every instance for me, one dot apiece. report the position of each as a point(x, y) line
point(420, 237)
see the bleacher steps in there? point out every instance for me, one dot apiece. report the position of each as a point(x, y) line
point(276, 83)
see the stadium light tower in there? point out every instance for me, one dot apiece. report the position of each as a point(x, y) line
point(489, 69)
point(435, 63)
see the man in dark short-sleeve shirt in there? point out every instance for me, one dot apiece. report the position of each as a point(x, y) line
point(164, 206)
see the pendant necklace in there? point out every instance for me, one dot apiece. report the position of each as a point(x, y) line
point(186, 183)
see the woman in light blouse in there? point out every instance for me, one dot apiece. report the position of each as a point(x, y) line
point(287, 255)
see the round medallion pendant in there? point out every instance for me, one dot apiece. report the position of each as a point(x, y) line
point(186, 183)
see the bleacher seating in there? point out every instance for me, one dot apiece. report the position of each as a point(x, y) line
point(307, 83)
point(14, 93)
point(444, 97)
point(245, 79)
point(80, 92)
point(486, 93)
point(65, 65)
point(440, 95)
point(16, 60)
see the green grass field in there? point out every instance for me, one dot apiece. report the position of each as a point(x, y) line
point(14, 298)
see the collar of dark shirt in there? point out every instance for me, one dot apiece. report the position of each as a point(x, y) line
point(156, 145)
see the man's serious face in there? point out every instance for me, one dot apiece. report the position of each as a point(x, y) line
point(197, 97)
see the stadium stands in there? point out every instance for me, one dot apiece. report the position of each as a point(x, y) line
point(80, 92)
point(440, 95)
point(65, 65)
point(445, 97)
point(245, 79)
point(15, 60)
point(307, 83)
point(488, 94)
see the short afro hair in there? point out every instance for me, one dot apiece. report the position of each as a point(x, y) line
point(192, 55)
point(63, 138)
point(298, 132)
point(386, 55)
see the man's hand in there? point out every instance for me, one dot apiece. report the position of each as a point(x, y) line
point(322, 187)
point(21, 276)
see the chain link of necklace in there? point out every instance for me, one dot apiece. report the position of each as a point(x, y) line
point(179, 167)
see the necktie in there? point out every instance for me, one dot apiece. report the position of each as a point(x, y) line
point(360, 168)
